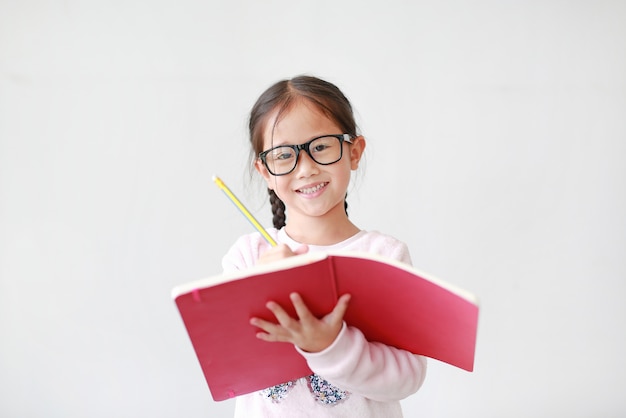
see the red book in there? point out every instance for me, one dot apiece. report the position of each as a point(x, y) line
point(391, 302)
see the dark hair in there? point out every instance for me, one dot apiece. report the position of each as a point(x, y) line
point(323, 95)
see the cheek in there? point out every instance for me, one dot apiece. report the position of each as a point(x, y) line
point(343, 174)
point(278, 184)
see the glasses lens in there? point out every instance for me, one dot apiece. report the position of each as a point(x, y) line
point(283, 159)
point(280, 160)
point(326, 150)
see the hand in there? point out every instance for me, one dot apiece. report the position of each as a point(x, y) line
point(279, 252)
point(307, 332)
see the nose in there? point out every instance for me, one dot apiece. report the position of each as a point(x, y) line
point(305, 165)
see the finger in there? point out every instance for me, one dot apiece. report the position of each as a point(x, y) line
point(301, 249)
point(266, 337)
point(340, 309)
point(281, 315)
point(273, 332)
point(282, 337)
point(304, 314)
point(274, 254)
point(266, 326)
point(273, 337)
point(283, 250)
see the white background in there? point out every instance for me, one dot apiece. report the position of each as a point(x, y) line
point(497, 148)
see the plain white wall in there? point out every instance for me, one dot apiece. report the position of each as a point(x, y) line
point(497, 145)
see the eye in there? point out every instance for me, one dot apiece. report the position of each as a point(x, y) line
point(282, 153)
point(320, 147)
point(323, 144)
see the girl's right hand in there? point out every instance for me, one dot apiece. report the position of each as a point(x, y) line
point(279, 252)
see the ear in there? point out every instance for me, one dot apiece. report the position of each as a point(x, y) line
point(260, 168)
point(356, 151)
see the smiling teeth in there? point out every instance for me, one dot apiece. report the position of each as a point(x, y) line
point(310, 190)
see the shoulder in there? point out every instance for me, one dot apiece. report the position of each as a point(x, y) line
point(383, 244)
point(246, 250)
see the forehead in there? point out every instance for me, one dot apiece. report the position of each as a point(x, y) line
point(298, 123)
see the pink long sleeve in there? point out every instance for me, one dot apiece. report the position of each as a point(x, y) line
point(373, 370)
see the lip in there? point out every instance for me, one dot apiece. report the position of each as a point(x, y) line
point(312, 189)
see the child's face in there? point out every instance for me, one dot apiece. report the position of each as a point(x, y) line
point(310, 190)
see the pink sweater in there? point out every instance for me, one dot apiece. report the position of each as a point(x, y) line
point(353, 377)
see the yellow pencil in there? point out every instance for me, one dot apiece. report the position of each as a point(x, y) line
point(243, 210)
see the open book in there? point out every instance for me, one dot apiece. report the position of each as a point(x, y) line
point(391, 302)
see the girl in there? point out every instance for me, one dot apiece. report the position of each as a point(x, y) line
point(305, 145)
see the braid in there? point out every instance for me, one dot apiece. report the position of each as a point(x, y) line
point(278, 209)
point(345, 204)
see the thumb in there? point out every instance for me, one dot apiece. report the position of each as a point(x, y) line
point(303, 249)
point(336, 316)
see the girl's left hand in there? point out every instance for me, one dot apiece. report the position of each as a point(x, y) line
point(307, 332)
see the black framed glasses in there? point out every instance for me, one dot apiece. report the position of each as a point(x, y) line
point(324, 150)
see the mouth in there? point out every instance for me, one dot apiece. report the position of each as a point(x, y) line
point(312, 189)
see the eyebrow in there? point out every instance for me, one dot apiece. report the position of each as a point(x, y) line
point(274, 144)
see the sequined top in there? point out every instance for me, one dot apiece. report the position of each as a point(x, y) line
point(352, 377)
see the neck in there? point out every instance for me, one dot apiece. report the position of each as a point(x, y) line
point(324, 230)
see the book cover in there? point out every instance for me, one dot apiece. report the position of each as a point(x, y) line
point(391, 302)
